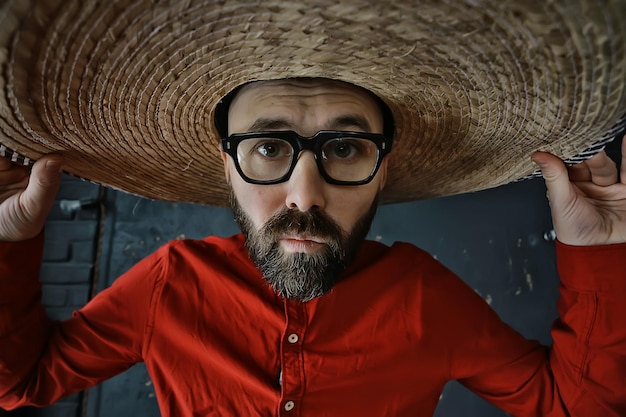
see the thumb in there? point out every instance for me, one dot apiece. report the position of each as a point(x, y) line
point(43, 185)
point(556, 177)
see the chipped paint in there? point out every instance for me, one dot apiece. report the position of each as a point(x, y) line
point(529, 282)
point(136, 206)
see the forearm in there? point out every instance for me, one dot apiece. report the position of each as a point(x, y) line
point(42, 361)
point(589, 353)
point(584, 373)
point(24, 326)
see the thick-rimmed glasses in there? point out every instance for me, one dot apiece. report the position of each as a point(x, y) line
point(342, 157)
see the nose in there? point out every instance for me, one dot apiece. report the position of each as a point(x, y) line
point(306, 185)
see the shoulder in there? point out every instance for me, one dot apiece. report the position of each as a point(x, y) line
point(213, 258)
point(400, 258)
point(416, 271)
point(212, 247)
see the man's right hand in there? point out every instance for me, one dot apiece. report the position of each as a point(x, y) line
point(26, 196)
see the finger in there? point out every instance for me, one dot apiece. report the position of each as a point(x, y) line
point(602, 168)
point(579, 172)
point(13, 186)
point(14, 174)
point(5, 163)
point(591, 190)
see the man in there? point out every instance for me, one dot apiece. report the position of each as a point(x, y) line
point(346, 327)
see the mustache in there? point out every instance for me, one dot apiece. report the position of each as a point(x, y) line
point(313, 222)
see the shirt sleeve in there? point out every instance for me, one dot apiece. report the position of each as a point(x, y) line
point(584, 372)
point(42, 360)
point(588, 356)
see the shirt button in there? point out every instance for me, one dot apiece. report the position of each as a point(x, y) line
point(293, 338)
point(289, 405)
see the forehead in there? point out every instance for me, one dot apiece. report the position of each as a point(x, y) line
point(306, 104)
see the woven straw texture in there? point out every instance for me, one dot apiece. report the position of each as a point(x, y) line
point(126, 89)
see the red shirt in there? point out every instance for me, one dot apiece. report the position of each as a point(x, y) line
point(216, 340)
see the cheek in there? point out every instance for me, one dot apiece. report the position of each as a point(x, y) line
point(348, 206)
point(259, 202)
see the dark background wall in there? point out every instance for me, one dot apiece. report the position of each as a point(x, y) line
point(495, 240)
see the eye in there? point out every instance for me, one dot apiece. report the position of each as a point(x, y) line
point(344, 149)
point(273, 149)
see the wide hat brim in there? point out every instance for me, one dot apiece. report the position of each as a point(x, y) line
point(127, 90)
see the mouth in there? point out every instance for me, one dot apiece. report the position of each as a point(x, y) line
point(302, 244)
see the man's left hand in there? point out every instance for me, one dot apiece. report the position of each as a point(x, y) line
point(587, 200)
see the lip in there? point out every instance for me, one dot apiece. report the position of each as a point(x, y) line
point(305, 244)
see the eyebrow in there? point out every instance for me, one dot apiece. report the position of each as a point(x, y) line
point(263, 123)
point(338, 123)
point(350, 120)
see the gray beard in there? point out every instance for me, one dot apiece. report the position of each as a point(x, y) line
point(302, 276)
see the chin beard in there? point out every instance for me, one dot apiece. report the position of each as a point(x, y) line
point(302, 276)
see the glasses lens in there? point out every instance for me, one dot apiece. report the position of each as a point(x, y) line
point(349, 159)
point(264, 159)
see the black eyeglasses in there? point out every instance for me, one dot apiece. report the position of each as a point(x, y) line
point(343, 158)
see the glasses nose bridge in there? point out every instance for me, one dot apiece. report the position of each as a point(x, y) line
point(307, 143)
point(303, 143)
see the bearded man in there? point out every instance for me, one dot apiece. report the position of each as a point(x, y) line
point(300, 315)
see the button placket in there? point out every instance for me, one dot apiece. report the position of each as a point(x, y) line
point(292, 365)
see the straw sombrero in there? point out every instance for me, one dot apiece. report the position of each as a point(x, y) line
point(127, 89)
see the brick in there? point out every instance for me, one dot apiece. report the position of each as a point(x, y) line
point(78, 295)
point(56, 250)
point(74, 296)
point(71, 230)
point(54, 296)
point(83, 251)
point(59, 250)
point(66, 273)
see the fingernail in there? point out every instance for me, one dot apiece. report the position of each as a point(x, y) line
point(539, 161)
point(54, 165)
